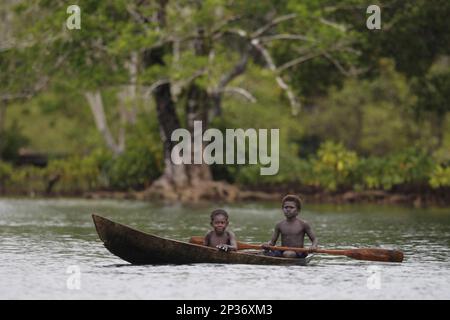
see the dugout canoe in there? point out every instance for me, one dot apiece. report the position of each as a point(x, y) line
point(137, 247)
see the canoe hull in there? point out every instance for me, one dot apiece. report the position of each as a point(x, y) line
point(137, 247)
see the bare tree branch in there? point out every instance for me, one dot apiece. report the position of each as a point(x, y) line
point(177, 86)
point(217, 30)
point(343, 6)
point(272, 23)
point(29, 42)
point(295, 104)
point(149, 90)
point(292, 63)
point(16, 96)
point(235, 31)
point(138, 17)
point(285, 37)
point(240, 91)
point(337, 64)
point(335, 25)
point(297, 61)
point(237, 70)
point(182, 83)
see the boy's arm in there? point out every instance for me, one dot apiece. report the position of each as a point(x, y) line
point(233, 242)
point(311, 235)
point(275, 235)
point(206, 239)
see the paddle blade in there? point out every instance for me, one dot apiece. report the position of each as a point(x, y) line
point(196, 240)
point(376, 254)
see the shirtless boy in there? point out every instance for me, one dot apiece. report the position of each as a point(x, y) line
point(292, 230)
point(220, 237)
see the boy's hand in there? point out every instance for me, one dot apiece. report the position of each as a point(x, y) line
point(266, 245)
point(223, 247)
point(313, 248)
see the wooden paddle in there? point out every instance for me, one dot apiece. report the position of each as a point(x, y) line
point(371, 254)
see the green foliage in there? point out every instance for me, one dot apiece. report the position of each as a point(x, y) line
point(76, 174)
point(410, 166)
point(135, 168)
point(433, 92)
point(292, 170)
point(6, 172)
point(132, 170)
point(71, 175)
point(334, 165)
point(432, 104)
point(336, 168)
point(354, 130)
point(371, 117)
point(440, 177)
point(11, 141)
point(419, 33)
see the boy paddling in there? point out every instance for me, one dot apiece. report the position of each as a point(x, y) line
point(292, 230)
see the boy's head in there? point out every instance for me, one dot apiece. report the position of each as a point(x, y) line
point(291, 205)
point(219, 220)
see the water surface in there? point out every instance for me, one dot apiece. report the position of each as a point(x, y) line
point(43, 243)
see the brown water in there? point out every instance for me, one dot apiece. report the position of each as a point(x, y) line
point(49, 250)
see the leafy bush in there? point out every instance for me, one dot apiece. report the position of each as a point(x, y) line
point(11, 141)
point(333, 166)
point(440, 177)
point(135, 168)
point(6, 172)
point(75, 174)
point(410, 166)
point(291, 170)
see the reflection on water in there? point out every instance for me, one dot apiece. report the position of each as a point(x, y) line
point(41, 239)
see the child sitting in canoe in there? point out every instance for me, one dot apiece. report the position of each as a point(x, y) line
point(220, 238)
point(292, 230)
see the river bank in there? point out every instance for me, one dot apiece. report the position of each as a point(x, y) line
point(405, 196)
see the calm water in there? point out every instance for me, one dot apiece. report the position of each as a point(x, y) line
point(41, 240)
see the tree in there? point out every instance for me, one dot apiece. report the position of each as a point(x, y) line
point(433, 91)
point(187, 55)
point(20, 61)
point(370, 116)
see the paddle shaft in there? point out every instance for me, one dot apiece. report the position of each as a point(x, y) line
point(370, 254)
point(243, 246)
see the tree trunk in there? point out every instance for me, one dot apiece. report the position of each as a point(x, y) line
point(128, 96)
point(197, 106)
point(96, 105)
point(173, 174)
point(184, 182)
